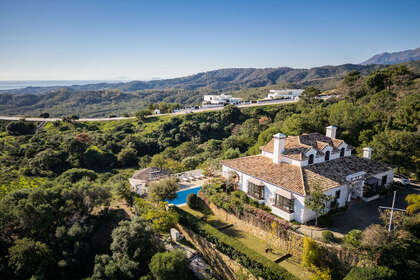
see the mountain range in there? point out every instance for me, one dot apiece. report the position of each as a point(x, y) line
point(223, 80)
point(394, 57)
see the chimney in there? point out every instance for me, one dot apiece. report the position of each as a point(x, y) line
point(367, 152)
point(278, 147)
point(331, 130)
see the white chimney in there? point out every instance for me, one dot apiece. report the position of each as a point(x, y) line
point(279, 139)
point(367, 152)
point(331, 130)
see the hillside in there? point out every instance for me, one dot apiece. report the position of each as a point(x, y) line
point(220, 80)
point(394, 57)
point(98, 100)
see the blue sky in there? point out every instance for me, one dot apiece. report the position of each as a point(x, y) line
point(67, 40)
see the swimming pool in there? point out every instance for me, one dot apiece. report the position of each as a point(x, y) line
point(182, 196)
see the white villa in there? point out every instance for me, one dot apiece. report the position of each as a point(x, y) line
point(284, 93)
point(289, 167)
point(221, 99)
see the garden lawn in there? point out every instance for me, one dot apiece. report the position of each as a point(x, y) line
point(254, 243)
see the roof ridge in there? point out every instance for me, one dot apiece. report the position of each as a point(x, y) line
point(303, 180)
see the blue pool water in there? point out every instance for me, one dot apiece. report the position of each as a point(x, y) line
point(182, 196)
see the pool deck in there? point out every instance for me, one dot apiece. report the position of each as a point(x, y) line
point(196, 183)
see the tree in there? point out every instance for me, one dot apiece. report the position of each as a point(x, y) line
point(44, 115)
point(76, 174)
point(20, 128)
point(142, 114)
point(158, 161)
point(308, 96)
point(29, 258)
point(161, 217)
point(170, 266)
point(413, 201)
point(133, 245)
point(127, 157)
point(310, 253)
point(164, 189)
point(317, 201)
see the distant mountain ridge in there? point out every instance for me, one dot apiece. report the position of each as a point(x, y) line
point(221, 80)
point(394, 57)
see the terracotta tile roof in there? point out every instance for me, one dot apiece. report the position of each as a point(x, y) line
point(301, 180)
point(336, 170)
point(296, 146)
point(283, 175)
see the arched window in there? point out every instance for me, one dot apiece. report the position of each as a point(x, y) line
point(311, 159)
point(327, 155)
point(342, 152)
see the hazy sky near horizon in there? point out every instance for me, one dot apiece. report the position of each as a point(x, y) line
point(86, 40)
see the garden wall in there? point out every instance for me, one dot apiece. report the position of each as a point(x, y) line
point(290, 241)
point(222, 265)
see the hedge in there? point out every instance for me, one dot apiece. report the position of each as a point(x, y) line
point(257, 264)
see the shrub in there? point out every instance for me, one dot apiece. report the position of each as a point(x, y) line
point(310, 253)
point(328, 236)
point(320, 274)
point(170, 266)
point(353, 238)
point(20, 128)
point(374, 236)
point(371, 273)
point(192, 201)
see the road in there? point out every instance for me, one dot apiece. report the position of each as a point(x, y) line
point(16, 118)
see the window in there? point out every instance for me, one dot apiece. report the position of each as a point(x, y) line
point(337, 194)
point(255, 191)
point(327, 155)
point(342, 151)
point(384, 179)
point(285, 203)
point(311, 159)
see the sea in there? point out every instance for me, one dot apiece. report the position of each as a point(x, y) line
point(5, 85)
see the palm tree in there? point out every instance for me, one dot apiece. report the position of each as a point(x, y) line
point(413, 201)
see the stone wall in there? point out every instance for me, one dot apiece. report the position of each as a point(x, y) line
point(222, 265)
point(291, 242)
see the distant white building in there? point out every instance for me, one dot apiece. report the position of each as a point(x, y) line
point(220, 99)
point(284, 93)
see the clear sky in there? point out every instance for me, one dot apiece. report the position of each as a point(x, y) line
point(68, 40)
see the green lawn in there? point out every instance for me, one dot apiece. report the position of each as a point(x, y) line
point(254, 243)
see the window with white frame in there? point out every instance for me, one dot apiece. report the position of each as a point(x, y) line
point(284, 203)
point(255, 191)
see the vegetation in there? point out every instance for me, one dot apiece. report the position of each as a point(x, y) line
point(328, 236)
point(164, 189)
point(57, 185)
point(170, 266)
point(310, 253)
point(317, 201)
point(371, 273)
point(353, 238)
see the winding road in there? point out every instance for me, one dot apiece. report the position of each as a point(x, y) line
point(34, 119)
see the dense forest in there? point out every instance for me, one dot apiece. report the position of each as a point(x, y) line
point(58, 183)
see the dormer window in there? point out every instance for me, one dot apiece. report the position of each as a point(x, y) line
point(327, 156)
point(311, 159)
point(342, 151)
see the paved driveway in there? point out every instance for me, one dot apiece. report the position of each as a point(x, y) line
point(363, 214)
